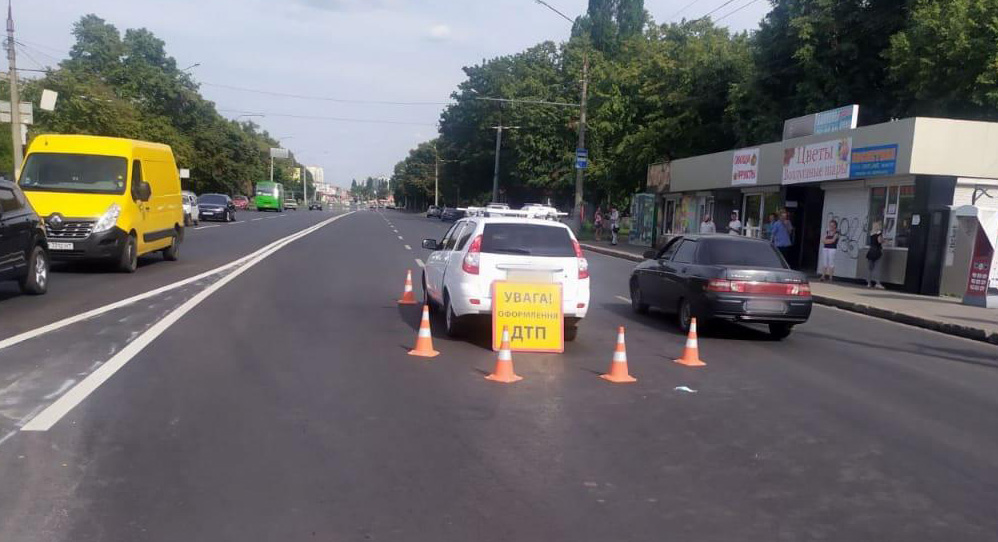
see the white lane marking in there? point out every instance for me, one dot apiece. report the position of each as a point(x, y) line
point(624, 299)
point(206, 227)
point(255, 219)
point(420, 263)
point(407, 247)
point(78, 393)
point(400, 238)
point(31, 334)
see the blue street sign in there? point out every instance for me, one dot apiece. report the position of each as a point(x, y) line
point(581, 158)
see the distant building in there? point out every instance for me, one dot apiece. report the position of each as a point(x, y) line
point(317, 174)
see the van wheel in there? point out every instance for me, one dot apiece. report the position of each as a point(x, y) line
point(427, 300)
point(172, 253)
point(36, 281)
point(571, 332)
point(129, 260)
point(451, 321)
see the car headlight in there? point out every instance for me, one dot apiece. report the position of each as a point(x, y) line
point(108, 219)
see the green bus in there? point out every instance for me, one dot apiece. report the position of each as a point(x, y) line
point(269, 196)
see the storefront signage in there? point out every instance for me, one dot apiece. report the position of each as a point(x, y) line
point(659, 176)
point(532, 312)
point(826, 122)
point(980, 270)
point(873, 161)
point(745, 167)
point(824, 161)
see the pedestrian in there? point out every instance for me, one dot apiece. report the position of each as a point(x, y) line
point(767, 226)
point(614, 225)
point(873, 256)
point(707, 226)
point(782, 235)
point(735, 226)
point(829, 245)
point(598, 223)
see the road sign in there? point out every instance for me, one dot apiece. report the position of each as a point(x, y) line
point(27, 112)
point(581, 159)
point(278, 152)
point(533, 314)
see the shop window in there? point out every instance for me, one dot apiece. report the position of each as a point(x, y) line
point(891, 209)
point(756, 210)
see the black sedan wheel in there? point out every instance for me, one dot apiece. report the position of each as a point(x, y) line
point(780, 331)
point(637, 302)
point(684, 315)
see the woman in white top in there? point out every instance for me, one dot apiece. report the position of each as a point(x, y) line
point(735, 226)
point(707, 226)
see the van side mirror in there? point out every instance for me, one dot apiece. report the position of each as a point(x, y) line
point(431, 244)
point(650, 254)
point(145, 191)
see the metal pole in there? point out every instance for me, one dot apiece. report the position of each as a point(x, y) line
point(15, 98)
point(495, 174)
point(304, 183)
point(580, 173)
point(272, 167)
point(436, 182)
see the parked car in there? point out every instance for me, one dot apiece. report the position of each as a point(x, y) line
point(241, 202)
point(433, 212)
point(113, 199)
point(450, 214)
point(477, 251)
point(291, 203)
point(192, 214)
point(722, 277)
point(23, 246)
point(315, 205)
point(217, 207)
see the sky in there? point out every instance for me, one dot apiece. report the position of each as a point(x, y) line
point(370, 50)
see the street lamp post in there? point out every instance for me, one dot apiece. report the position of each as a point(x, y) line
point(495, 171)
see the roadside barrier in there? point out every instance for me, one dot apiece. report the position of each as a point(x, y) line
point(504, 363)
point(424, 339)
point(691, 354)
point(618, 365)
point(408, 298)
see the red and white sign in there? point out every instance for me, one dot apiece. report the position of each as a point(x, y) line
point(824, 161)
point(745, 167)
point(980, 266)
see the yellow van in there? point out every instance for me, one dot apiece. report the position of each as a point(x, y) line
point(105, 198)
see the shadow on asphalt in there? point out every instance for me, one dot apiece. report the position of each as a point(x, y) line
point(100, 267)
point(921, 350)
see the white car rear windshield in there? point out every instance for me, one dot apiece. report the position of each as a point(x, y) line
point(527, 240)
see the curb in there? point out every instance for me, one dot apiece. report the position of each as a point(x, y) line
point(958, 330)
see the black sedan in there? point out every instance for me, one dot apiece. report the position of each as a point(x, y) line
point(722, 277)
point(450, 214)
point(216, 207)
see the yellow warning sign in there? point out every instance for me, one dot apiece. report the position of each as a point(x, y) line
point(533, 314)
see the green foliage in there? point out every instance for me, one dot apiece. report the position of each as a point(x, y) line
point(130, 87)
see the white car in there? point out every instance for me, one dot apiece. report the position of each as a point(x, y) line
point(478, 250)
point(192, 212)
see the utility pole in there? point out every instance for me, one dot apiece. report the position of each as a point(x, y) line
point(436, 182)
point(15, 98)
point(579, 172)
point(304, 183)
point(495, 172)
point(271, 167)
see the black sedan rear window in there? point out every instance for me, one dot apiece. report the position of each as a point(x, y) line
point(527, 239)
point(736, 252)
point(212, 199)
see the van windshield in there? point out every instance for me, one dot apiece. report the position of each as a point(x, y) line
point(65, 172)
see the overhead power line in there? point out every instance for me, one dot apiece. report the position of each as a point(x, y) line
point(319, 117)
point(715, 10)
point(684, 8)
point(535, 102)
point(730, 13)
point(320, 98)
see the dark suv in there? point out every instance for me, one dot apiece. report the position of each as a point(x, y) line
point(23, 247)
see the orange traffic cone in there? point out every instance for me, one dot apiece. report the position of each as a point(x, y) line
point(504, 364)
point(618, 366)
point(691, 354)
point(408, 298)
point(424, 339)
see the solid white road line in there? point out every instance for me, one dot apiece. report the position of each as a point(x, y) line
point(407, 247)
point(62, 406)
point(624, 299)
point(31, 334)
point(255, 219)
point(206, 227)
point(420, 263)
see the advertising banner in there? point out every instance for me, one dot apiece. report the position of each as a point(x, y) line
point(825, 122)
point(533, 314)
point(824, 161)
point(745, 167)
point(873, 161)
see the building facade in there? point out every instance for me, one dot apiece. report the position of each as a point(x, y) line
point(903, 178)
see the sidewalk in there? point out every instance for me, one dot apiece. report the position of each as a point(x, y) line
point(943, 314)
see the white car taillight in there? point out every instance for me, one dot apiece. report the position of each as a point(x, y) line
point(583, 262)
point(473, 259)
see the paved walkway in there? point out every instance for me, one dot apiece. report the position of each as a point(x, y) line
point(943, 314)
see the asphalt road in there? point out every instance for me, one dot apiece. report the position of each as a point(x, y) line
point(283, 406)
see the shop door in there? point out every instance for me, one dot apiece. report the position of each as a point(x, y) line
point(806, 220)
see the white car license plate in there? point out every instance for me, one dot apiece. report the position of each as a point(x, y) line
point(530, 276)
point(765, 306)
point(61, 246)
